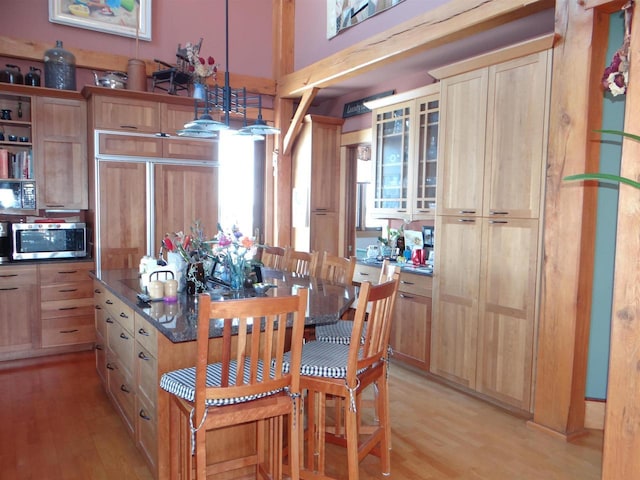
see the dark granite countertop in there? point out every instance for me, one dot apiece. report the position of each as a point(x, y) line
point(178, 320)
point(407, 267)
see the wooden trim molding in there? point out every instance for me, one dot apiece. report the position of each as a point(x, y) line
point(594, 414)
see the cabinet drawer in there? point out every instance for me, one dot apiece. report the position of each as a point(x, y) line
point(122, 344)
point(68, 331)
point(416, 284)
point(188, 149)
point(119, 311)
point(123, 393)
point(126, 114)
point(99, 294)
point(66, 291)
point(366, 273)
point(130, 145)
point(64, 273)
point(14, 276)
point(146, 335)
point(146, 373)
point(101, 357)
point(146, 430)
point(101, 316)
point(67, 308)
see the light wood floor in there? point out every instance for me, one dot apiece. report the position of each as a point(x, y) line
point(57, 423)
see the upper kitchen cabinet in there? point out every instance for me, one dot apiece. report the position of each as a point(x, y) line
point(138, 112)
point(318, 181)
point(405, 150)
point(493, 139)
point(61, 153)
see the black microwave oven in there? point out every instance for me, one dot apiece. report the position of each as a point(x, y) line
point(34, 241)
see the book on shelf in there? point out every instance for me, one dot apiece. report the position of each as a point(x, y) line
point(4, 163)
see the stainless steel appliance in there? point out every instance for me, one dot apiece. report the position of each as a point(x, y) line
point(32, 241)
point(17, 194)
point(5, 242)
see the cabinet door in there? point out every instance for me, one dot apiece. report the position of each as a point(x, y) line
point(173, 117)
point(120, 113)
point(507, 310)
point(18, 308)
point(411, 329)
point(426, 158)
point(192, 149)
point(461, 167)
point(324, 232)
point(325, 166)
point(61, 154)
point(516, 133)
point(122, 214)
point(391, 149)
point(455, 306)
point(184, 194)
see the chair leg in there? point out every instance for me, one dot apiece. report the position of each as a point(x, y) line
point(295, 420)
point(382, 403)
point(351, 426)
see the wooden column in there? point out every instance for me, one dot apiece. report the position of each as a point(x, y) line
point(283, 62)
point(569, 221)
point(621, 456)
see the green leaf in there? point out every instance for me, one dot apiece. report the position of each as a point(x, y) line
point(605, 177)
point(621, 133)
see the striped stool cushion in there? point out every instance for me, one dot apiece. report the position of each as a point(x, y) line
point(323, 359)
point(182, 383)
point(339, 332)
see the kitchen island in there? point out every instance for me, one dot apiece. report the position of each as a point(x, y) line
point(138, 342)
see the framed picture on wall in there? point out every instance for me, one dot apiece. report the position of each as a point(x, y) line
point(129, 18)
point(428, 234)
point(342, 14)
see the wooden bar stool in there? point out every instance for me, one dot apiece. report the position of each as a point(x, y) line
point(250, 383)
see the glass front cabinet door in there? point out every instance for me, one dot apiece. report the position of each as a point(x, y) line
point(406, 156)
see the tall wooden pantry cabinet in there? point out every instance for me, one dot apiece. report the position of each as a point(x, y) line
point(490, 191)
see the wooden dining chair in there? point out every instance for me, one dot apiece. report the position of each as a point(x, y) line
point(249, 382)
point(273, 257)
point(344, 371)
point(336, 269)
point(302, 263)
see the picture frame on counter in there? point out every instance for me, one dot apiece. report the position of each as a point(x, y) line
point(129, 18)
point(428, 235)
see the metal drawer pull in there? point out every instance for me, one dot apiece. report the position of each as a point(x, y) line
point(364, 274)
point(466, 220)
point(407, 283)
point(498, 221)
point(467, 211)
point(109, 302)
point(68, 272)
point(68, 290)
point(497, 212)
point(97, 290)
point(110, 367)
point(69, 331)
point(124, 388)
point(98, 307)
point(143, 356)
point(142, 331)
point(9, 288)
point(108, 320)
point(123, 315)
point(408, 297)
point(144, 415)
point(8, 275)
point(99, 347)
point(67, 308)
point(123, 336)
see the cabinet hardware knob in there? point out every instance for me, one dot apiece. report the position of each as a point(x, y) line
point(142, 331)
point(108, 320)
point(123, 336)
point(99, 347)
point(142, 356)
point(144, 415)
point(109, 302)
point(124, 388)
point(110, 367)
point(123, 315)
point(97, 290)
point(98, 307)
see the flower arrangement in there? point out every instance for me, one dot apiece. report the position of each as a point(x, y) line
point(200, 68)
point(235, 251)
point(192, 248)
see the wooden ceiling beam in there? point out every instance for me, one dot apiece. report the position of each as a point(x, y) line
point(450, 22)
point(296, 123)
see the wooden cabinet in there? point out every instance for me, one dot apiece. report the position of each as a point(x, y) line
point(488, 260)
point(410, 336)
point(146, 145)
point(135, 112)
point(18, 310)
point(317, 185)
point(183, 193)
point(493, 139)
point(405, 152)
point(66, 304)
point(16, 153)
point(61, 153)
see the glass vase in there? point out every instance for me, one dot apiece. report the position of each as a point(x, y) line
point(195, 279)
point(236, 269)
